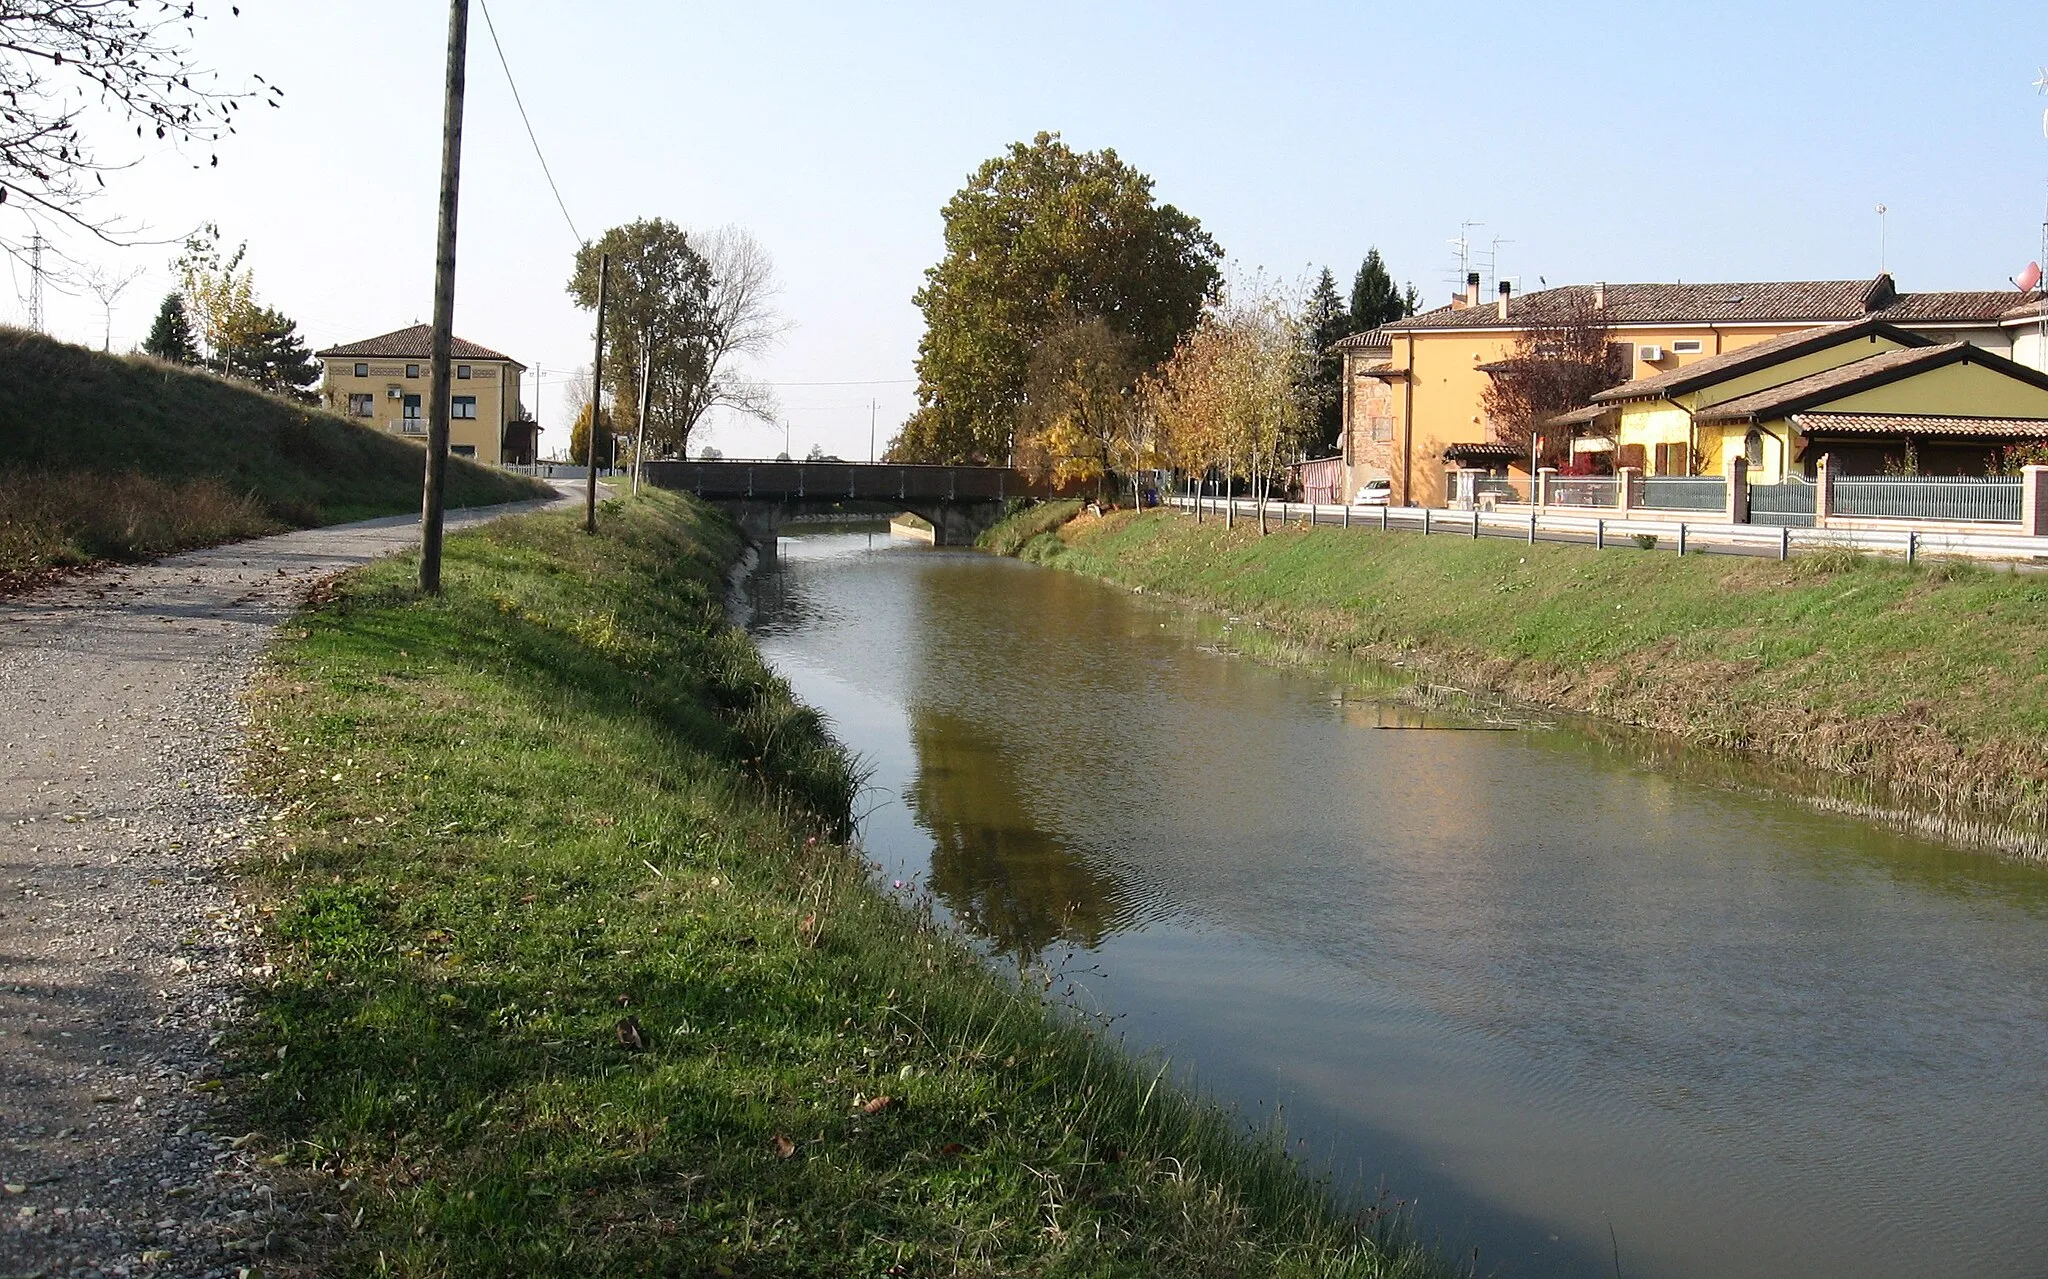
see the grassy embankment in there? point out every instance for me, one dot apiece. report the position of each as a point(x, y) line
point(567, 795)
point(124, 457)
point(1930, 681)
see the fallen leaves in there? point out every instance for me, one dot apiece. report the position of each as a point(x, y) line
point(631, 1037)
point(784, 1147)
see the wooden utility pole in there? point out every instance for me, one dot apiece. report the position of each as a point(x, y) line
point(604, 275)
point(640, 422)
point(435, 488)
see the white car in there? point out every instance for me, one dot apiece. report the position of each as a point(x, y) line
point(1379, 492)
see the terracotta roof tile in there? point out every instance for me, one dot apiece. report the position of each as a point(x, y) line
point(1757, 355)
point(1832, 424)
point(1818, 388)
point(1367, 341)
point(415, 343)
point(1759, 302)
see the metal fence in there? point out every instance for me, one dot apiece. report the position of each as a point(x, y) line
point(1500, 488)
point(1928, 497)
point(1584, 490)
point(1681, 493)
point(1787, 504)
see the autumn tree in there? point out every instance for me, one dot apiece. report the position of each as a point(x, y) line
point(219, 293)
point(170, 337)
point(579, 438)
point(64, 63)
point(1041, 238)
point(696, 304)
point(1562, 358)
point(1232, 395)
point(1077, 393)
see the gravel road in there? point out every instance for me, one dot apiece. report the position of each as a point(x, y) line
point(121, 711)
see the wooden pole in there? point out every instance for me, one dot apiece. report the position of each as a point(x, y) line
point(604, 275)
point(435, 487)
point(640, 422)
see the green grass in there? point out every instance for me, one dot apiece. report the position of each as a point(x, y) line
point(566, 793)
point(124, 457)
point(1930, 681)
point(1030, 520)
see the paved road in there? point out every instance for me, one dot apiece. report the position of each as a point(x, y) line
point(121, 943)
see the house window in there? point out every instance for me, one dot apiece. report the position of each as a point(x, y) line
point(362, 370)
point(465, 406)
point(1382, 430)
point(1672, 458)
point(1687, 346)
point(412, 370)
point(462, 450)
point(362, 405)
point(462, 371)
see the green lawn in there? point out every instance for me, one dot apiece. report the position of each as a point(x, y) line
point(125, 457)
point(573, 976)
point(1930, 680)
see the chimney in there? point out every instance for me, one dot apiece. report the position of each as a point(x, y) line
point(1600, 296)
point(1506, 290)
point(1472, 289)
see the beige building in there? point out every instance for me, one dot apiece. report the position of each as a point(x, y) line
point(1412, 389)
point(384, 382)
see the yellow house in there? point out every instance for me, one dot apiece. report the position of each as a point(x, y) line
point(1413, 407)
point(1945, 409)
point(1655, 421)
point(385, 380)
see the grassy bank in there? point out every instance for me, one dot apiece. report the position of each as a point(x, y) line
point(124, 457)
point(1929, 681)
point(571, 976)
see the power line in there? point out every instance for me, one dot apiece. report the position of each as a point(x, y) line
point(492, 27)
point(886, 381)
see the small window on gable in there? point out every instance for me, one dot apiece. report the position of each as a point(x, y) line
point(412, 370)
point(1687, 346)
point(362, 370)
point(462, 370)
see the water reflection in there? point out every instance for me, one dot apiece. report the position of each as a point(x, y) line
point(1548, 983)
point(1002, 877)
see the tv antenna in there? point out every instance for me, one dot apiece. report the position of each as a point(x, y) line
point(1883, 235)
point(1463, 244)
point(1493, 264)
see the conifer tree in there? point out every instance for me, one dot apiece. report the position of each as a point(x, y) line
point(170, 338)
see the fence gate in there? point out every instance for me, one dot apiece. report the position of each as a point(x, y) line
point(1786, 504)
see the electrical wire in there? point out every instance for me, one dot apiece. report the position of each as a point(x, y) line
point(492, 27)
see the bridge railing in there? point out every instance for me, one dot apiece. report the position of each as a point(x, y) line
point(844, 481)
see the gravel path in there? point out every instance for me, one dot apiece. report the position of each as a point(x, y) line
point(121, 709)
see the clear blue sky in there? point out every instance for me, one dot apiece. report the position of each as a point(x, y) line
point(1606, 141)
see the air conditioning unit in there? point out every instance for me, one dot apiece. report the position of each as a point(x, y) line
point(1649, 354)
point(392, 393)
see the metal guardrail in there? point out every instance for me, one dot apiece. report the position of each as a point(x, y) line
point(1681, 493)
point(1928, 497)
point(1662, 533)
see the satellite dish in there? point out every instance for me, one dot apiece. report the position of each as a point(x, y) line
point(2028, 278)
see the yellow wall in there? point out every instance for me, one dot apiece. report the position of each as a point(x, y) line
point(1968, 389)
point(1446, 386)
point(494, 383)
point(1650, 423)
point(1785, 371)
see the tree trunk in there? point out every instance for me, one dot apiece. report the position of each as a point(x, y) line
point(1229, 499)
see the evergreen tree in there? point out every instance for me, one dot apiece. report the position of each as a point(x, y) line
point(170, 338)
point(271, 354)
point(1374, 299)
point(1323, 323)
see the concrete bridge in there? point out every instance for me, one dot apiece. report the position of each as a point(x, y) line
point(960, 501)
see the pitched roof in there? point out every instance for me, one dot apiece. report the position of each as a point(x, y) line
point(1877, 370)
point(1764, 302)
point(1581, 416)
point(1834, 424)
point(415, 343)
point(1367, 340)
point(1757, 355)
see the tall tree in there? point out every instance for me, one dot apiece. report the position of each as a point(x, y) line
point(579, 434)
point(220, 295)
point(1374, 299)
point(170, 338)
point(60, 60)
point(698, 303)
point(1078, 413)
point(1324, 323)
point(1564, 358)
point(270, 353)
point(1041, 238)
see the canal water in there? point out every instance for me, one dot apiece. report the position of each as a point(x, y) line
point(1584, 1010)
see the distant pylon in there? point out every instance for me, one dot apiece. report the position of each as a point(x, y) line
point(35, 287)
